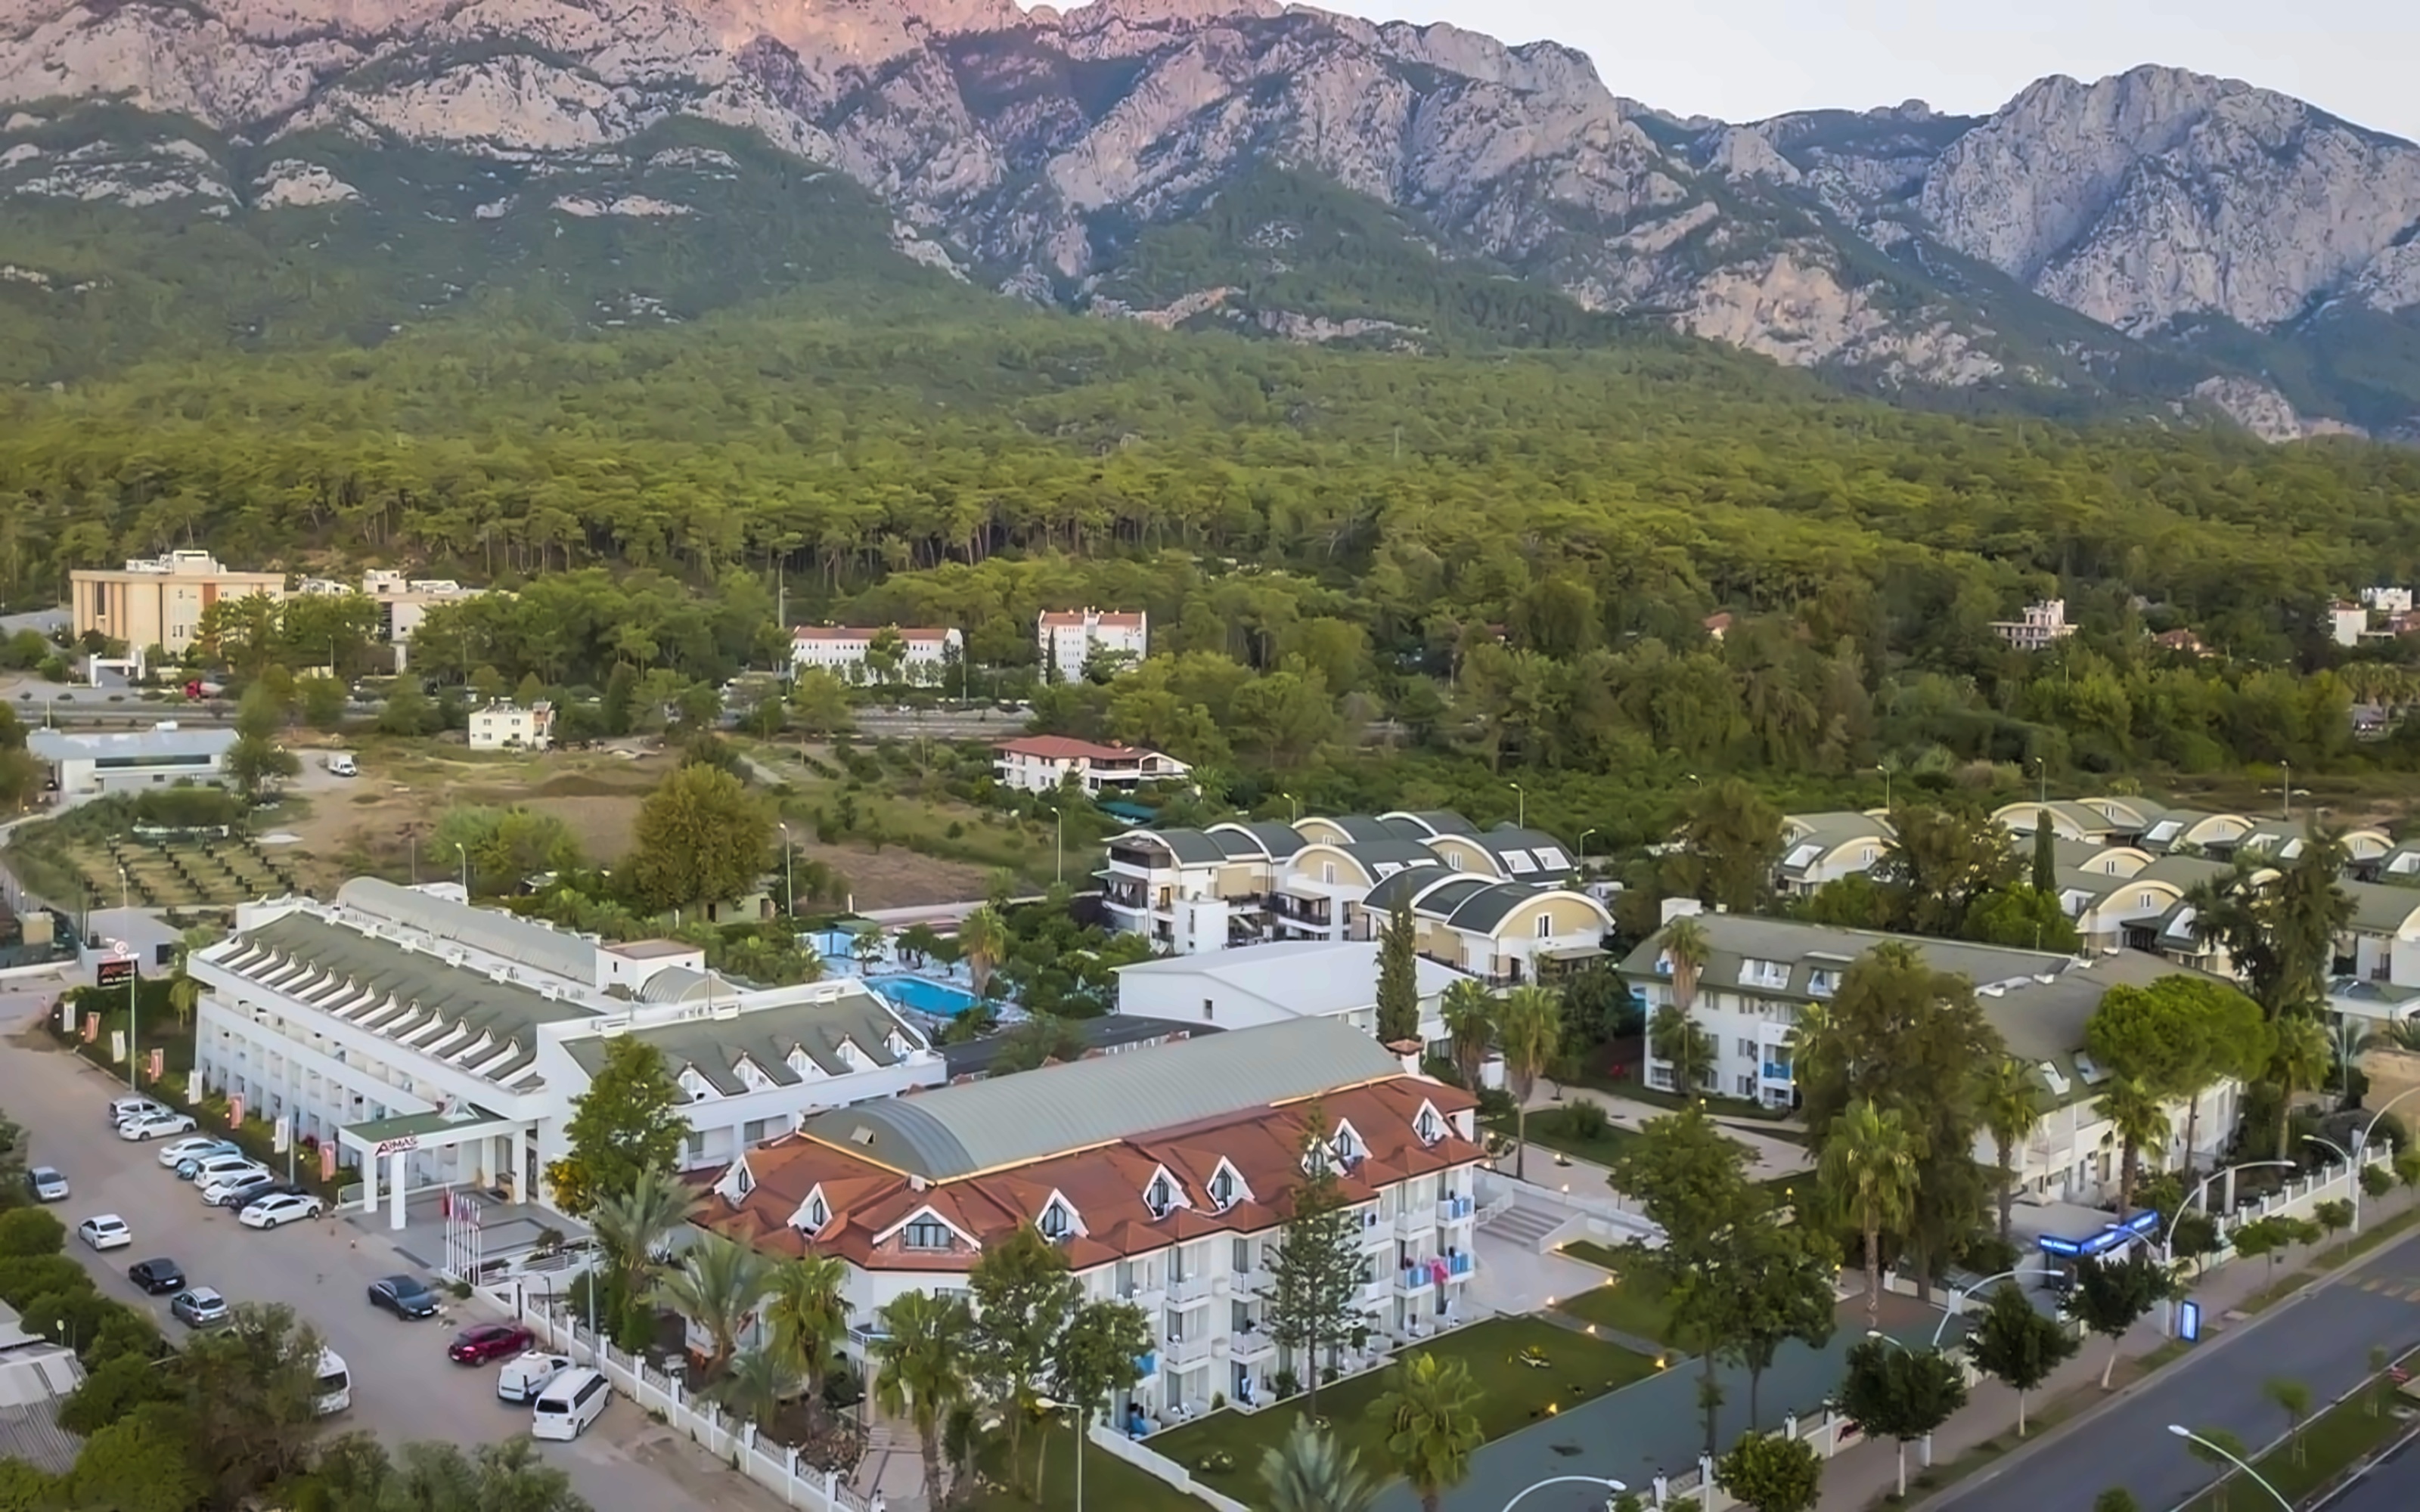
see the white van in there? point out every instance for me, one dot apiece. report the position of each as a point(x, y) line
point(220, 1166)
point(524, 1376)
point(336, 1384)
point(569, 1403)
point(341, 765)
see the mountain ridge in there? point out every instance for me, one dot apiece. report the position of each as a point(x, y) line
point(2218, 247)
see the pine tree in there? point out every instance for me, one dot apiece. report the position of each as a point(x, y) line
point(1398, 987)
point(1313, 1296)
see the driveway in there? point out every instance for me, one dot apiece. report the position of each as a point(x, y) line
point(403, 1385)
point(2322, 1340)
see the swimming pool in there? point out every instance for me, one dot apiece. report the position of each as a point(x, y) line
point(924, 994)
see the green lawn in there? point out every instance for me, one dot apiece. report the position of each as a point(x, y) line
point(2332, 1443)
point(1107, 1482)
point(1547, 1131)
point(1512, 1395)
point(1634, 1306)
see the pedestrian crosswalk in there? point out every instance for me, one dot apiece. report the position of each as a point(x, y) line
point(2401, 1287)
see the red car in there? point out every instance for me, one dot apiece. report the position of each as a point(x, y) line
point(488, 1341)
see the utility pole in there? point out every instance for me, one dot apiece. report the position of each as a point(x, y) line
point(133, 1033)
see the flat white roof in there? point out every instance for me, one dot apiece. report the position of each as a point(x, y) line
point(67, 746)
point(1307, 978)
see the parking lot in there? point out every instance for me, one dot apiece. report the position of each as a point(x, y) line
point(403, 1385)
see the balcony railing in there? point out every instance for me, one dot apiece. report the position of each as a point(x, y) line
point(1145, 1295)
point(1414, 1223)
point(1414, 1279)
point(1776, 1071)
point(1456, 1210)
point(1189, 1289)
point(1192, 1349)
point(1249, 1344)
point(1460, 1264)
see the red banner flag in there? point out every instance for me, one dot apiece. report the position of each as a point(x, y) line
point(328, 1160)
point(91, 1028)
point(235, 1109)
point(159, 1063)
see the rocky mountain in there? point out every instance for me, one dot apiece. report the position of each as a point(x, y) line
point(2155, 240)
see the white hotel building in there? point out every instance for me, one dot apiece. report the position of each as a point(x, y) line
point(443, 1045)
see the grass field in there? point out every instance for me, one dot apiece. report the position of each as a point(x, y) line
point(1512, 1395)
point(1107, 1482)
point(1632, 1305)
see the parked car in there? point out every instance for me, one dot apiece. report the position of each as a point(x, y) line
point(199, 1307)
point(483, 1342)
point(197, 1148)
point(47, 1183)
point(525, 1375)
point(153, 1125)
point(105, 1230)
point(278, 1208)
point(210, 1168)
point(404, 1296)
point(135, 1107)
point(155, 1276)
point(236, 1189)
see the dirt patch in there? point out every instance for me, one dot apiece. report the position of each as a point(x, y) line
point(602, 825)
point(896, 877)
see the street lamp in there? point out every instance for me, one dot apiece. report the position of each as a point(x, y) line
point(1954, 1306)
point(2183, 1433)
point(465, 852)
point(1520, 805)
point(2353, 1173)
point(134, 1030)
point(789, 879)
point(1607, 1481)
point(2168, 1241)
point(1580, 860)
point(1885, 770)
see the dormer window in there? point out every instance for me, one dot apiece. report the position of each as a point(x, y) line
point(813, 1217)
point(1222, 1189)
point(1057, 1222)
point(1428, 1126)
point(694, 1085)
point(1348, 1145)
point(1159, 1197)
point(740, 1181)
point(925, 1233)
point(802, 1063)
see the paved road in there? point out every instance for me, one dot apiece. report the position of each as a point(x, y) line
point(2391, 1486)
point(2322, 1340)
point(403, 1385)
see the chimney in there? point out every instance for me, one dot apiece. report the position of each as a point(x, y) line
point(1679, 908)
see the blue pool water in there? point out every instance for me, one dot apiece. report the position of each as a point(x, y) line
point(924, 994)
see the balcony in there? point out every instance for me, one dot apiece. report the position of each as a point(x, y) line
point(1415, 1223)
point(1188, 1351)
point(1186, 1289)
point(1456, 1211)
point(1313, 911)
point(1145, 1295)
point(1414, 1280)
point(1148, 1365)
point(1776, 1071)
point(1460, 1264)
point(1374, 1232)
point(1248, 1345)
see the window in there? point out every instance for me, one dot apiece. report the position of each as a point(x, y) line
point(1159, 1197)
point(1426, 1126)
point(1453, 860)
point(1209, 1008)
point(1747, 1047)
point(1222, 1187)
point(817, 1213)
point(1327, 871)
point(742, 1182)
point(696, 1146)
point(1056, 1222)
point(1545, 926)
point(925, 1233)
point(754, 1131)
point(1243, 1255)
point(1743, 1086)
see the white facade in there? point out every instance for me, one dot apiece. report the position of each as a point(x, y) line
point(1068, 638)
point(511, 727)
point(2043, 624)
point(133, 761)
point(2344, 623)
point(841, 649)
point(468, 1035)
point(1040, 764)
point(1272, 983)
point(2387, 600)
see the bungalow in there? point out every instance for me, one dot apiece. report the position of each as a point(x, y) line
point(1042, 763)
point(1817, 848)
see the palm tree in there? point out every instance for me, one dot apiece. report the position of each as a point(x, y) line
point(635, 1226)
point(922, 1357)
point(2138, 1119)
point(1675, 1039)
point(755, 1386)
point(983, 942)
point(1529, 1029)
point(1431, 1417)
point(183, 993)
point(2297, 1060)
point(1686, 951)
point(808, 1318)
point(1869, 1171)
point(1310, 1473)
point(2012, 1104)
point(2403, 1034)
point(717, 1285)
point(1469, 1012)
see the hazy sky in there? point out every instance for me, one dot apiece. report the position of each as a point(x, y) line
point(1743, 59)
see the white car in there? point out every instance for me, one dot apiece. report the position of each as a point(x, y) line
point(105, 1232)
point(223, 1191)
point(133, 1107)
point(152, 1125)
point(190, 1145)
point(283, 1207)
point(210, 1168)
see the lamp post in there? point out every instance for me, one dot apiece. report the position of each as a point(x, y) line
point(1607, 1481)
point(1059, 821)
point(134, 1030)
point(789, 879)
point(2183, 1433)
point(2353, 1173)
point(1954, 1307)
point(464, 851)
point(2168, 1241)
point(1580, 859)
point(1520, 805)
point(1293, 809)
point(2285, 790)
point(1885, 770)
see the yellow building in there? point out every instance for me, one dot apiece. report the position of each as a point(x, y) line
point(160, 601)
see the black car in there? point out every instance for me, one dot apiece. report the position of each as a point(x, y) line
point(404, 1296)
point(157, 1276)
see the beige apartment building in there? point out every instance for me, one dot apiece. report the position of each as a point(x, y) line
point(159, 601)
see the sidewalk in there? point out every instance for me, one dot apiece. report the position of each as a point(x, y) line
point(1854, 1481)
point(1774, 1157)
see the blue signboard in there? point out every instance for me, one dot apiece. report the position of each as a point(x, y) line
point(2189, 1321)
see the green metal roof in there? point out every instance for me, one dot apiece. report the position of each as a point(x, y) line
point(715, 1046)
point(957, 1131)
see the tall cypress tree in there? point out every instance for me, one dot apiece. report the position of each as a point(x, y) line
point(2045, 855)
point(1399, 985)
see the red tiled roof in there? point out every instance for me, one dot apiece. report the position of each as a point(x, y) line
point(1107, 619)
point(867, 1204)
point(1068, 748)
point(859, 632)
